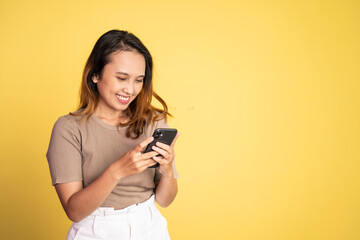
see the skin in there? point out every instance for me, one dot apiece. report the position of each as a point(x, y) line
point(79, 202)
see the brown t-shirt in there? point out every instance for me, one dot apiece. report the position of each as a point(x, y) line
point(80, 150)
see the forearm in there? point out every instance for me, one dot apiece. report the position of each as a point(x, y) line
point(166, 190)
point(79, 202)
point(87, 200)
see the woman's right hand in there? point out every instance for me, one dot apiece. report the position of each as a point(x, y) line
point(134, 161)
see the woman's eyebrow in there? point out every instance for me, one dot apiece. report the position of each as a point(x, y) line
point(128, 74)
point(123, 73)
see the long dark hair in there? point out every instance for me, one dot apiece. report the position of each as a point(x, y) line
point(140, 110)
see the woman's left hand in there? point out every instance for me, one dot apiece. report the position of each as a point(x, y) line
point(167, 156)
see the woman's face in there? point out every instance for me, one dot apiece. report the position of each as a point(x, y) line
point(121, 81)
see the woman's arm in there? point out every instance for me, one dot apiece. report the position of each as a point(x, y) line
point(79, 202)
point(167, 188)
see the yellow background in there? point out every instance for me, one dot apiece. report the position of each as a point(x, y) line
point(264, 93)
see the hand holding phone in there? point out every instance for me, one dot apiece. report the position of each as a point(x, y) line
point(163, 135)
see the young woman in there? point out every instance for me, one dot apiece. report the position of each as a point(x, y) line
point(104, 181)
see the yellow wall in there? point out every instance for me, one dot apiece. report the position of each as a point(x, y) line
point(265, 94)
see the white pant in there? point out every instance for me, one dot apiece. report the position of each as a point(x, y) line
point(139, 221)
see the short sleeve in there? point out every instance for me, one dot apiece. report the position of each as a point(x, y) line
point(162, 124)
point(64, 152)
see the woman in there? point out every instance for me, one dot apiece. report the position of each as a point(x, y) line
point(103, 179)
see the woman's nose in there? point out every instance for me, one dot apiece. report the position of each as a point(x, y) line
point(128, 88)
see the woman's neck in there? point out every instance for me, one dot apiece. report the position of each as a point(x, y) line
point(111, 118)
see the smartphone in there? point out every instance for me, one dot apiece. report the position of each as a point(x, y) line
point(163, 135)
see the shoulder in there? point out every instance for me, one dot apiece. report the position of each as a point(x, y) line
point(65, 131)
point(67, 119)
point(160, 121)
point(154, 123)
point(68, 122)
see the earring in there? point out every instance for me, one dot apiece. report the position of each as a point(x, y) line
point(94, 79)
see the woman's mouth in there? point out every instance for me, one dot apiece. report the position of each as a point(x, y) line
point(123, 99)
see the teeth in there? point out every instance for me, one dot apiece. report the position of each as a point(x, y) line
point(122, 98)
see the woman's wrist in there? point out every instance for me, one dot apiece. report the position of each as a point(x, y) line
point(113, 172)
point(169, 174)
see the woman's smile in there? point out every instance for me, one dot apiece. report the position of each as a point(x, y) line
point(123, 99)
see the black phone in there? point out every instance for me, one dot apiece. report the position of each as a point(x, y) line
point(163, 135)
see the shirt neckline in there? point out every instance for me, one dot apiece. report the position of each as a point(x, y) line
point(104, 124)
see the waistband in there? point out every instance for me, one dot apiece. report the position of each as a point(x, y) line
point(106, 211)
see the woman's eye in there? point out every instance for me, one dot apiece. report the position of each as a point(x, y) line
point(123, 79)
point(139, 80)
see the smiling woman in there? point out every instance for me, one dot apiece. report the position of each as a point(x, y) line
point(96, 154)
